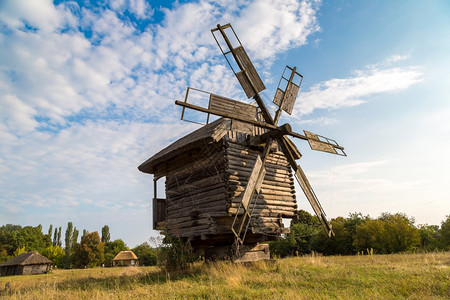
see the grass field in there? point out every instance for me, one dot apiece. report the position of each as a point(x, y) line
point(412, 276)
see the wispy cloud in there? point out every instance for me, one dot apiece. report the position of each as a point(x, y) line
point(345, 92)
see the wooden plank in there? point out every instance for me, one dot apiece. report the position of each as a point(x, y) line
point(264, 212)
point(279, 94)
point(316, 144)
point(221, 105)
point(245, 83)
point(319, 146)
point(253, 182)
point(233, 184)
point(269, 202)
point(290, 96)
point(241, 127)
point(195, 184)
point(250, 70)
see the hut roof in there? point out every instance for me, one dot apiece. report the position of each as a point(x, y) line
point(125, 255)
point(212, 132)
point(27, 258)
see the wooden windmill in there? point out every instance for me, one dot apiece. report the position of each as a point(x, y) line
point(231, 182)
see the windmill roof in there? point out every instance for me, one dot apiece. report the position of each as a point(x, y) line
point(27, 258)
point(212, 132)
point(125, 255)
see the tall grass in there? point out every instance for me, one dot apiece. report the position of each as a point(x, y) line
point(413, 276)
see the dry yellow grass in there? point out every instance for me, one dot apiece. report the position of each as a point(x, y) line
point(412, 276)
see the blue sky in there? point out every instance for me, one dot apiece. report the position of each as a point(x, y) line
point(87, 92)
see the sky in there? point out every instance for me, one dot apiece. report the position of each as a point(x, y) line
point(87, 91)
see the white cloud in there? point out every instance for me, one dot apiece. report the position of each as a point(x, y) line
point(285, 24)
point(41, 14)
point(17, 115)
point(352, 91)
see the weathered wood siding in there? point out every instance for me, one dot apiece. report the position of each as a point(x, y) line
point(204, 189)
point(195, 193)
point(277, 197)
point(24, 270)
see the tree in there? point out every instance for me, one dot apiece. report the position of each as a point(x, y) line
point(112, 249)
point(55, 254)
point(90, 251)
point(29, 238)
point(55, 237)
point(390, 233)
point(7, 239)
point(74, 238)
point(146, 254)
point(304, 217)
point(19, 250)
point(445, 233)
point(50, 231)
point(429, 237)
point(303, 227)
point(369, 235)
point(59, 237)
point(400, 232)
point(3, 254)
point(105, 234)
point(340, 244)
point(68, 238)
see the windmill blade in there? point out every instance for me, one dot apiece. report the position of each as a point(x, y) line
point(220, 106)
point(321, 143)
point(236, 56)
point(243, 68)
point(304, 184)
point(313, 200)
point(287, 90)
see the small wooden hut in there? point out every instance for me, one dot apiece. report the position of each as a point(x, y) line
point(27, 263)
point(125, 259)
point(206, 173)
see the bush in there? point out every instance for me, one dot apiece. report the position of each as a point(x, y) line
point(147, 255)
point(175, 254)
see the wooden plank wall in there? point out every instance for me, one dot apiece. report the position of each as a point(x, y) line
point(203, 192)
point(277, 198)
point(195, 192)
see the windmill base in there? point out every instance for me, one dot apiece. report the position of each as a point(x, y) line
point(245, 253)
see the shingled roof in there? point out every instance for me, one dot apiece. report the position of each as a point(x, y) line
point(125, 255)
point(212, 132)
point(27, 258)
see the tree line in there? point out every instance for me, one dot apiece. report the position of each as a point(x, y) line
point(389, 233)
point(90, 251)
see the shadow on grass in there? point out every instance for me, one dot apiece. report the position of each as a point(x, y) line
point(122, 281)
